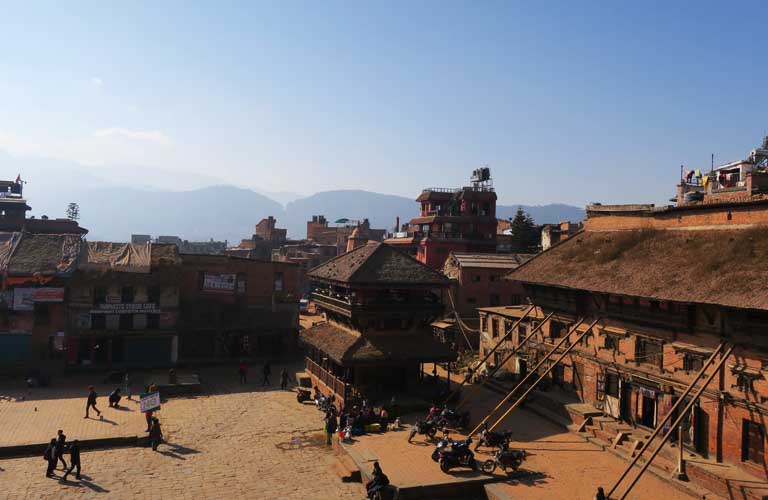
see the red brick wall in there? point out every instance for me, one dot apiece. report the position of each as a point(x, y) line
point(509, 292)
point(755, 214)
point(260, 277)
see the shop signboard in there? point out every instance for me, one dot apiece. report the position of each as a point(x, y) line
point(219, 283)
point(129, 308)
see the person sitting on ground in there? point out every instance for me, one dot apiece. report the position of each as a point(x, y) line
point(384, 418)
point(378, 482)
point(114, 398)
point(317, 395)
point(600, 494)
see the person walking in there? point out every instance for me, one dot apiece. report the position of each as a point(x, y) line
point(242, 370)
point(284, 379)
point(50, 456)
point(127, 384)
point(74, 459)
point(91, 402)
point(61, 441)
point(155, 434)
point(267, 372)
point(148, 415)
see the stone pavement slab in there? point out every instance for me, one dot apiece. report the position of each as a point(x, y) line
point(235, 442)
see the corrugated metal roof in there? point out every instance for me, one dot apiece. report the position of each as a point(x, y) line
point(492, 260)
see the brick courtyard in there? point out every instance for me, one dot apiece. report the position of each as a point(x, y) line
point(233, 442)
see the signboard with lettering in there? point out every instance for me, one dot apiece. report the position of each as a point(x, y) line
point(130, 308)
point(222, 283)
point(149, 402)
point(24, 298)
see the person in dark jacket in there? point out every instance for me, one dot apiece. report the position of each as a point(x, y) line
point(378, 482)
point(242, 370)
point(155, 434)
point(50, 456)
point(91, 402)
point(330, 427)
point(267, 372)
point(284, 379)
point(61, 441)
point(74, 459)
point(114, 398)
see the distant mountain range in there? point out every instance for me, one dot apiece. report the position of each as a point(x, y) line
point(113, 211)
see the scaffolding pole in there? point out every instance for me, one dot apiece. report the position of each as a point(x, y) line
point(507, 358)
point(679, 419)
point(525, 379)
point(458, 321)
point(546, 372)
point(668, 415)
point(487, 356)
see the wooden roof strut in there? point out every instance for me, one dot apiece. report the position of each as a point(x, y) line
point(525, 379)
point(677, 421)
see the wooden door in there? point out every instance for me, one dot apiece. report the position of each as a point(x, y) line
point(753, 442)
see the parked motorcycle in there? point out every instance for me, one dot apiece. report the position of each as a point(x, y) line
point(453, 418)
point(443, 444)
point(302, 395)
point(492, 439)
point(460, 455)
point(425, 427)
point(508, 460)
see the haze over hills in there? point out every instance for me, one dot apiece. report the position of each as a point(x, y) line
point(116, 202)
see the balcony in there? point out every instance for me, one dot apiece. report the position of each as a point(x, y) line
point(334, 383)
point(346, 307)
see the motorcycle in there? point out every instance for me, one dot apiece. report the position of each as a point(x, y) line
point(453, 418)
point(460, 455)
point(492, 439)
point(508, 460)
point(302, 395)
point(441, 445)
point(425, 427)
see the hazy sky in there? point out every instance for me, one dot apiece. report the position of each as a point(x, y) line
point(571, 102)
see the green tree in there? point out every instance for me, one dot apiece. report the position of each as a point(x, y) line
point(73, 211)
point(525, 235)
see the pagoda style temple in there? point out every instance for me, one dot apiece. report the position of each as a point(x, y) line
point(378, 303)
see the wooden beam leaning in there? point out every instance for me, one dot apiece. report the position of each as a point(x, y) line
point(668, 415)
point(525, 379)
point(678, 420)
point(487, 356)
point(543, 375)
point(507, 358)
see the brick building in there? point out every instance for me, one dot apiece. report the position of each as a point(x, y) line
point(377, 304)
point(235, 307)
point(320, 231)
point(551, 234)
point(123, 306)
point(36, 269)
point(669, 284)
point(740, 180)
point(478, 280)
point(459, 220)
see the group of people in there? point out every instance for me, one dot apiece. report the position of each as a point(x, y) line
point(242, 372)
point(54, 453)
point(114, 397)
point(353, 420)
